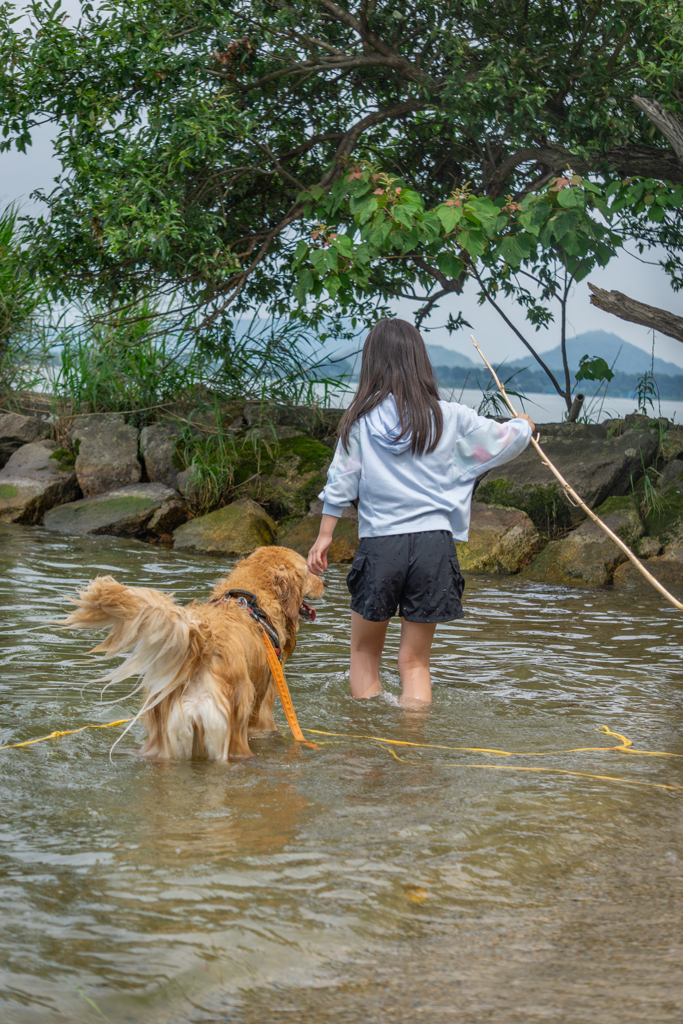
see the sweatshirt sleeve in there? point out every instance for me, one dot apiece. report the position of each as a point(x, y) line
point(488, 444)
point(343, 477)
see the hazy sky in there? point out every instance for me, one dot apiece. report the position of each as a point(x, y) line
point(20, 174)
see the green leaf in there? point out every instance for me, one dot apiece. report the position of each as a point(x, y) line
point(449, 216)
point(593, 368)
point(449, 265)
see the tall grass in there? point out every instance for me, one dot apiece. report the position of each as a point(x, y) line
point(23, 344)
point(138, 360)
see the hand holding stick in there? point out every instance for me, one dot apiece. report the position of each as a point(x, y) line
point(576, 500)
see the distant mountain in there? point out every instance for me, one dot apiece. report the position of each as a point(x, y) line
point(631, 360)
point(599, 343)
point(441, 356)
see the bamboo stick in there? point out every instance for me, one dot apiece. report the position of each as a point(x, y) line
point(575, 499)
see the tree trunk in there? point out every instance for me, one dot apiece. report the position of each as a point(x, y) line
point(637, 312)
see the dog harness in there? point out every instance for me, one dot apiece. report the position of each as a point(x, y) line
point(247, 600)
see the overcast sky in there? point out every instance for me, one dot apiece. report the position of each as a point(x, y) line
point(20, 174)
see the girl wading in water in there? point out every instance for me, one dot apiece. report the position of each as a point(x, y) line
point(412, 461)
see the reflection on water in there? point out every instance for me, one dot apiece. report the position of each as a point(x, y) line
point(193, 892)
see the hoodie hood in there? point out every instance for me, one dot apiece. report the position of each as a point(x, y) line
point(384, 427)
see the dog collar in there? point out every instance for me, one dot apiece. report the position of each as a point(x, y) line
point(247, 600)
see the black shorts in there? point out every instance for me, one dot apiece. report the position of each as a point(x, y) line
point(418, 573)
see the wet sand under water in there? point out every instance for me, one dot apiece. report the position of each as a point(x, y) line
point(344, 884)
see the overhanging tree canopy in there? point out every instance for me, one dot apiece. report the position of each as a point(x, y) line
point(188, 131)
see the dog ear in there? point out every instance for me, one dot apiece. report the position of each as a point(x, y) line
point(287, 591)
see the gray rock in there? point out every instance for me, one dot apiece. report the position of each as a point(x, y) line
point(501, 540)
point(588, 556)
point(157, 448)
point(315, 511)
point(17, 430)
point(299, 533)
point(672, 445)
point(596, 468)
point(107, 453)
point(187, 480)
point(648, 547)
point(237, 529)
point(315, 421)
point(672, 471)
point(169, 517)
point(124, 512)
point(33, 482)
point(565, 429)
point(667, 569)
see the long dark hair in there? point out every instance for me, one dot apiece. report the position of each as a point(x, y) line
point(395, 362)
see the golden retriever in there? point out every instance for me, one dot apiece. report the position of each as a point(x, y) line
point(203, 667)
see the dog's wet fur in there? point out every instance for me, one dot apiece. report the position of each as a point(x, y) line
point(202, 667)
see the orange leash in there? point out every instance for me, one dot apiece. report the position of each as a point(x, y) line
point(283, 690)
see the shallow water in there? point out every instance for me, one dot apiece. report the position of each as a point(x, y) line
point(344, 884)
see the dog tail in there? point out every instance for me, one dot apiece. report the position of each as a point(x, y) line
point(165, 642)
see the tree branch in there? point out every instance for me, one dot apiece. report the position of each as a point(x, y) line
point(670, 125)
point(637, 312)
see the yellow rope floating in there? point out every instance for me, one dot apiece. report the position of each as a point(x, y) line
point(65, 732)
point(624, 747)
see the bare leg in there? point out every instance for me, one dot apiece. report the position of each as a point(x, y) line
point(367, 644)
point(413, 660)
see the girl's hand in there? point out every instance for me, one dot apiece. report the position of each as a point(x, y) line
point(317, 556)
point(523, 416)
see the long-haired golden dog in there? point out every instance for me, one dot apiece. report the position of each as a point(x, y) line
point(203, 667)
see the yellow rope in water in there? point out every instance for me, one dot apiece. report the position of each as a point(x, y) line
point(625, 747)
point(557, 771)
point(65, 732)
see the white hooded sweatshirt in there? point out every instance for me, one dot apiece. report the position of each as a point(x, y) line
point(404, 493)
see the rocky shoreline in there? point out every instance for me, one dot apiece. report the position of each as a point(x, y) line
point(102, 474)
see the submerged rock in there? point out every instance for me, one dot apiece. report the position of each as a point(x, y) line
point(588, 556)
point(35, 481)
point(501, 540)
point(157, 448)
point(596, 468)
point(107, 453)
point(666, 569)
point(17, 430)
point(237, 529)
point(124, 512)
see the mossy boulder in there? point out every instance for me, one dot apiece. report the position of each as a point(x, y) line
point(300, 534)
point(597, 468)
point(33, 482)
point(237, 529)
point(311, 419)
point(291, 473)
point(588, 556)
point(672, 444)
point(124, 512)
point(664, 521)
point(501, 540)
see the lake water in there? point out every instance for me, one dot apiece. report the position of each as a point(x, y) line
point(360, 881)
point(542, 408)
